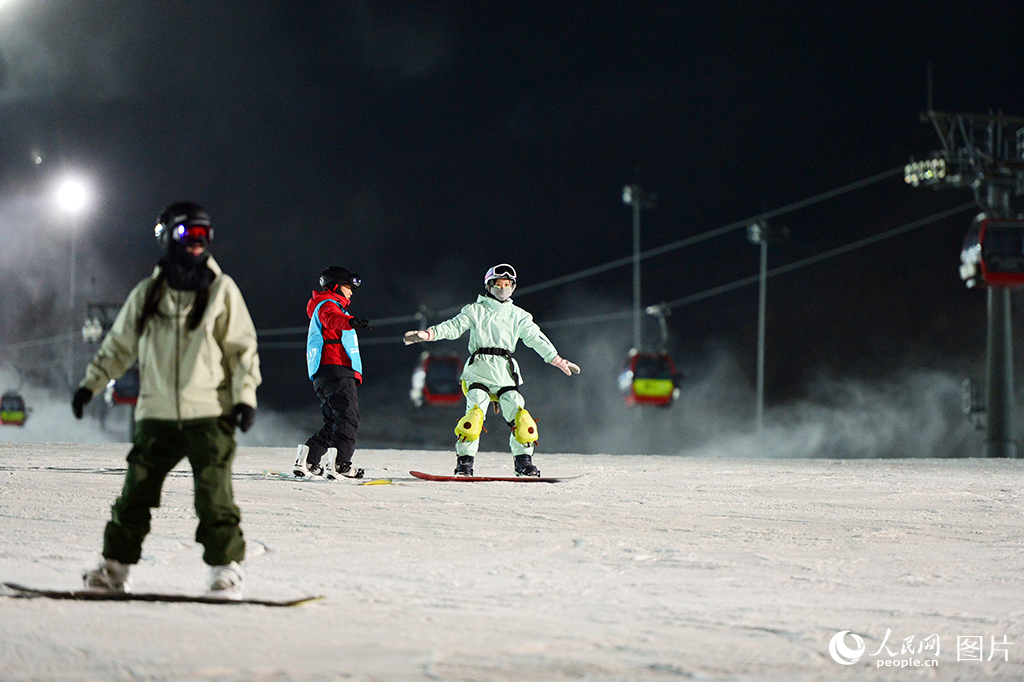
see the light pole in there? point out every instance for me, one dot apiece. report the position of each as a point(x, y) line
point(71, 197)
point(760, 233)
point(633, 196)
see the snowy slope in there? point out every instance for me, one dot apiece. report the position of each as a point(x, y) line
point(647, 568)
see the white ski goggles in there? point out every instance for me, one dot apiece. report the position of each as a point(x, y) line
point(503, 271)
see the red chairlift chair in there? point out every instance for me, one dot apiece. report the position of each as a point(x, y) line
point(436, 381)
point(993, 251)
point(124, 391)
point(649, 379)
point(12, 409)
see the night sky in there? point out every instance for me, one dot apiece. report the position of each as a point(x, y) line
point(419, 143)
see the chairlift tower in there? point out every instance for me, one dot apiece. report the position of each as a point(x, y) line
point(634, 196)
point(985, 153)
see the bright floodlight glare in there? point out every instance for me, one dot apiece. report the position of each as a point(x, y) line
point(71, 196)
point(929, 171)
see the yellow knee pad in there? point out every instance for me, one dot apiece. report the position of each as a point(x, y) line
point(470, 425)
point(525, 428)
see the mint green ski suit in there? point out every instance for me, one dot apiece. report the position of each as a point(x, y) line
point(494, 324)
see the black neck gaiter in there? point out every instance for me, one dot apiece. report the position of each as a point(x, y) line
point(186, 272)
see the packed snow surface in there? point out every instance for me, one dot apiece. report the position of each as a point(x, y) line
point(646, 568)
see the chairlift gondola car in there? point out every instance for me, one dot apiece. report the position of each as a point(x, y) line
point(993, 250)
point(649, 379)
point(124, 391)
point(436, 380)
point(12, 409)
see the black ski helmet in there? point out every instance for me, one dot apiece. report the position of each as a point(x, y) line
point(334, 276)
point(174, 221)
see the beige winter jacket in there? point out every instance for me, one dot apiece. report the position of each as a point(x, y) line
point(183, 374)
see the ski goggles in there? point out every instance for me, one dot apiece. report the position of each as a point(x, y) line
point(192, 234)
point(503, 271)
point(355, 281)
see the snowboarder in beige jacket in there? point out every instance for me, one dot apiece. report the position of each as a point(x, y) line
point(190, 330)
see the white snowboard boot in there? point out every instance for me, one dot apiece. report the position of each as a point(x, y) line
point(302, 468)
point(110, 576)
point(226, 582)
point(335, 470)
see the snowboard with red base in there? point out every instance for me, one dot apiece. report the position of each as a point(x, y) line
point(484, 479)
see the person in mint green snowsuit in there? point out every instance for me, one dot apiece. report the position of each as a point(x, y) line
point(495, 325)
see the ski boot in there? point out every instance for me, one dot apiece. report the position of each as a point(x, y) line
point(525, 467)
point(464, 466)
point(110, 576)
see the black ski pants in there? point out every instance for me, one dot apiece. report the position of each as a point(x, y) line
point(339, 403)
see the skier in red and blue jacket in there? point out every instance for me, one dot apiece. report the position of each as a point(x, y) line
point(336, 369)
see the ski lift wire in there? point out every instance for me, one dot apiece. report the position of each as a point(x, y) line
point(650, 253)
point(717, 232)
point(782, 269)
point(723, 288)
point(38, 342)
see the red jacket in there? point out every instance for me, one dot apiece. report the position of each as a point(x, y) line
point(333, 321)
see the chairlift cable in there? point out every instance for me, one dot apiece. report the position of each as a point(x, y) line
point(656, 251)
point(782, 269)
point(717, 232)
point(598, 269)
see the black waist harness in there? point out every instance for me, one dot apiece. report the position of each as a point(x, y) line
point(502, 353)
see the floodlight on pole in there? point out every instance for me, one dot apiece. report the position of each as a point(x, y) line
point(72, 197)
point(929, 172)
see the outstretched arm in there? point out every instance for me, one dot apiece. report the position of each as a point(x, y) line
point(449, 329)
point(533, 337)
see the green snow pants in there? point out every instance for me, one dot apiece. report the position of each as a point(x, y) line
point(158, 446)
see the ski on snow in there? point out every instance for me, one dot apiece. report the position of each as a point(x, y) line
point(92, 595)
point(483, 479)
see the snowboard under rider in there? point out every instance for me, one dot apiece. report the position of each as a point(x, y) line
point(189, 328)
point(495, 325)
point(336, 369)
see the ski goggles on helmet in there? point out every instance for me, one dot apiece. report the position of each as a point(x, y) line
point(503, 271)
point(355, 281)
point(192, 234)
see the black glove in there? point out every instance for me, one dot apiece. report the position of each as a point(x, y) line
point(245, 415)
point(81, 399)
point(360, 323)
